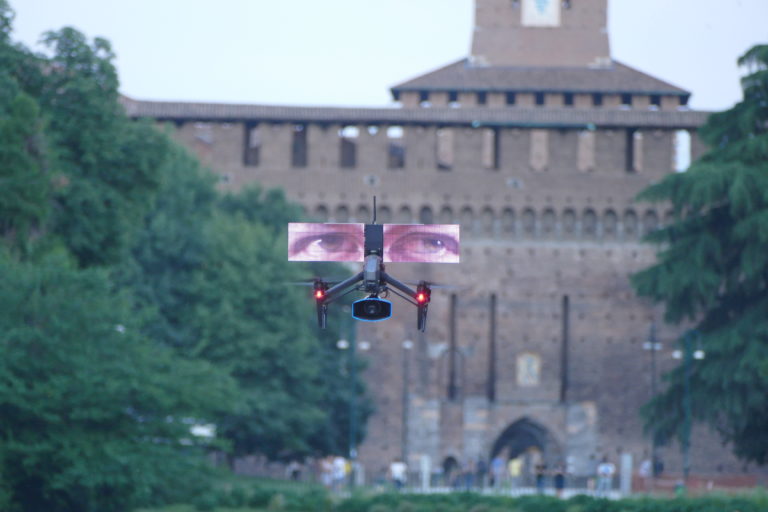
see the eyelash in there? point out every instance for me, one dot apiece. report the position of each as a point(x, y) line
point(448, 241)
point(302, 243)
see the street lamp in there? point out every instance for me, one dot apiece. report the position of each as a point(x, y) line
point(407, 346)
point(653, 345)
point(688, 355)
point(352, 372)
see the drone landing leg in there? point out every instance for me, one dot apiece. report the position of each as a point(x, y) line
point(322, 315)
point(421, 318)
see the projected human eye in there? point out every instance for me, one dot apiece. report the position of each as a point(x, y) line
point(327, 246)
point(325, 242)
point(427, 244)
point(423, 247)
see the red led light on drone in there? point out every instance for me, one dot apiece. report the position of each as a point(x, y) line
point(421, 297)
point(319, 294)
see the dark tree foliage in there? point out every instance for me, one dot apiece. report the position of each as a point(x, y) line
point(136, 300)
point(108, 164)
point(712, 271)
point(24, 181)
point(94, 416)
point(218, 282)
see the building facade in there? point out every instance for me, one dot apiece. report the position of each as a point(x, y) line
point(537, 144)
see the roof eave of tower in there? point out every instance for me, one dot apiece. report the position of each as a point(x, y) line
point(461, 76)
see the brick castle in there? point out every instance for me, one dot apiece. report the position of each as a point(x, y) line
point(537, 144)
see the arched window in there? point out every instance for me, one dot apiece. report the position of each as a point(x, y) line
point(363, 214)
point(529, 222)
point(321, 213)
point(569, 221)
point(342, 214)
point(426, 216)
point(548, 222)
point(589, 223)
point(630, 224)
point(446, 215)
point(404, 215)
point(467, 219)
point(650, 222)
point(508, 221)
point(488, 221)
point(610, 224)
point(383, 215)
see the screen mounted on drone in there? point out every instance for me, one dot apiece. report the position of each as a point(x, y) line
point(422, 243)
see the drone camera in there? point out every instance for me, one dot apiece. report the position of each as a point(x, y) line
point(372, 309)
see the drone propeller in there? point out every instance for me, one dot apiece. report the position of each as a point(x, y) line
point(434, 286)
point(311, 283)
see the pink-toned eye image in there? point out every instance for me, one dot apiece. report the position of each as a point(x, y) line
point(421, 243)
point(309, 241)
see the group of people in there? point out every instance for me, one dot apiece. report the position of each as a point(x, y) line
point(334, 471)
point(521, 471)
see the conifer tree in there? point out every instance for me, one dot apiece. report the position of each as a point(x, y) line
point(712, 273)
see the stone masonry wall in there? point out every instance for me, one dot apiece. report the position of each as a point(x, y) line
point(531, 235)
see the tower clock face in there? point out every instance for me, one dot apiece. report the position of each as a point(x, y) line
point(541, 13)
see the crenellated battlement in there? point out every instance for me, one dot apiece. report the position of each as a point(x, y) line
point(530, 177)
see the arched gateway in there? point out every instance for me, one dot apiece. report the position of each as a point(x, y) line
point(529, 441)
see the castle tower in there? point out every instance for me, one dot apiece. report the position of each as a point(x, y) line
point(541, 33)
point(534, 53)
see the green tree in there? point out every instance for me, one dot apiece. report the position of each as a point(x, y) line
point(712, 271)
point(213, 268)
point(204, 273)
point(93, 415)
point(24, 186)
point(108, 163)
point(24, 183)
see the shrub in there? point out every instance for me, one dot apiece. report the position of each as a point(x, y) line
point(238, 497)
point(260, 497)
point(205, 502)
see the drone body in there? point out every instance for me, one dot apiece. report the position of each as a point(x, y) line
point(373, 244)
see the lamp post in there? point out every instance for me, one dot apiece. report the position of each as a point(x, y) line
point(688, 355)
point(407, 346)
point(352, 369)
point(653, 345)
point(352, 373)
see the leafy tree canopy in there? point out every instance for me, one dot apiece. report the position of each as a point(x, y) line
point(106, 224)
point(95, 416)
point(712, 272)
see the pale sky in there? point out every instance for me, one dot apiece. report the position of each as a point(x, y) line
point(350, 52)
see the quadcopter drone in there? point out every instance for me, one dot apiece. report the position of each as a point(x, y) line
point(373, 245)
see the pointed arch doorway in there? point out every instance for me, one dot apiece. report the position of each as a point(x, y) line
point(531, 443)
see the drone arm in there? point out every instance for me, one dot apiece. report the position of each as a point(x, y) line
point(420, 298)
point(337, 290)
point(397, 284)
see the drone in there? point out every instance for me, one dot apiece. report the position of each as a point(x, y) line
point(374, 245)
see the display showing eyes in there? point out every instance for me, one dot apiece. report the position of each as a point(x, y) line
point(333, 246)
point(423, 247)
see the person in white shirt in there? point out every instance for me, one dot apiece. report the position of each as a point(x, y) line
point(605, 472)
point(398, 472)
